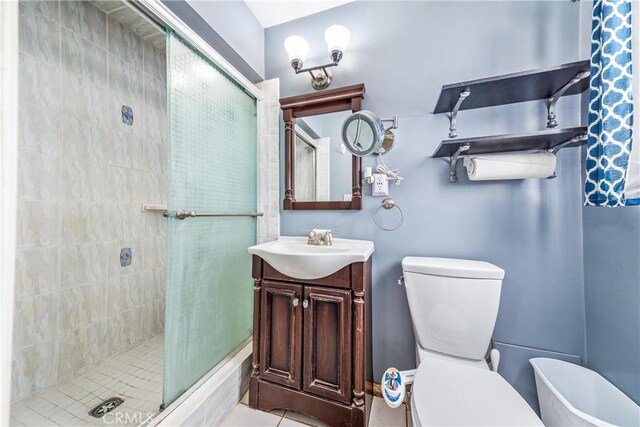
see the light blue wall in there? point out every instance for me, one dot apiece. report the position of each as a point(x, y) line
point(611, 281)
point(612, 295)
point(404, 52)
point(235, 23)
point(230, 28)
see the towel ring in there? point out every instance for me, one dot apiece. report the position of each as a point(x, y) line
point(388, 204)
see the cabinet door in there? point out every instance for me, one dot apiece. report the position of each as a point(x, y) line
point(281, 334)
point(327, 343)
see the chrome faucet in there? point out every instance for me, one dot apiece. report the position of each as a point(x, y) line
point(320, 238)
point(327, 239)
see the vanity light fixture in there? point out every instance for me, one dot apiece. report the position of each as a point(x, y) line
point(337, 38)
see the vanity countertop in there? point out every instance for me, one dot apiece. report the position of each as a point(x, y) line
point(295, 258)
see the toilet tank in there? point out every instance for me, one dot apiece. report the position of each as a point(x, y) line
point(453, 304)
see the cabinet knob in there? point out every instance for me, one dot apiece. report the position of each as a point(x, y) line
point(305, 304)
point(296, 301)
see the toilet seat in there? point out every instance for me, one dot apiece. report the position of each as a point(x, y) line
point(448, 391)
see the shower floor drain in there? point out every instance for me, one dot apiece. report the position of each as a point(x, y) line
point(106, 407)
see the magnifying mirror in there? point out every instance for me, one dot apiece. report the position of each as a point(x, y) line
point(363, 133)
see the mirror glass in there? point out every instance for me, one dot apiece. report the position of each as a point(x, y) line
point(362, 133)
point(322, 164)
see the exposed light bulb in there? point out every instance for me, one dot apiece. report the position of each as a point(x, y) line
point(337, 38)
point(297, 48)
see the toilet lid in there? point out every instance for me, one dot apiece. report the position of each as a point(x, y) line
point(451, 392)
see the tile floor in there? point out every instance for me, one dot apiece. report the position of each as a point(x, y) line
point(135, 376)
point(243, 415)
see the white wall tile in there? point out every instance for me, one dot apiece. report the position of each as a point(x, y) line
point(81, 57)
point(85, 141)
point(154, 62)
point(46, 7)
point(32, 281)
point(76, 223)
point(84, 19)
point(38, 36)
point(82, 264)
point(38, 176)
point(133, 330)
point(84, 99)
point(124, 44)
point(72, 353)
point(154, 92)
point(125, 78)
point(83, 176)
point(37, 224)
point(39, 129)
point(39, 82)
point(35, 319)
point(33, 368)
point(268, 161)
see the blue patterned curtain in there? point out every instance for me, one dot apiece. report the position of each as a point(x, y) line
point(610, 105)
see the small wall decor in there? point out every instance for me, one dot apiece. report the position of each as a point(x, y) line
point(125, 257)
point(127, 115)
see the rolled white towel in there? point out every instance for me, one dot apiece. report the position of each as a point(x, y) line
point(510, 166)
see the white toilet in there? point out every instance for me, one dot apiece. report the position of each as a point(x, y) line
point(454, 304)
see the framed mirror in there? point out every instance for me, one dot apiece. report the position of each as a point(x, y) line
point(320, 174)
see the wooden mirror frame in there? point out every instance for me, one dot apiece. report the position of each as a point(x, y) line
point(312, 104)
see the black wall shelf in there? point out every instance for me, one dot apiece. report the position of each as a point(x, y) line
point(549, 84)
point(550, 139)
point(523, 86)
point(540, 140)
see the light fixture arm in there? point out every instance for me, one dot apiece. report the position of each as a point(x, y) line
point(310, 69)
point(321, 76)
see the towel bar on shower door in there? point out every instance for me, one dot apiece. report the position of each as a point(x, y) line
point(182, 214)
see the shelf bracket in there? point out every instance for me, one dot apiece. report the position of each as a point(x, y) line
point(553, 100)
point(554, 150)
point(562, 145)
point(453, 161)
point(453, 117)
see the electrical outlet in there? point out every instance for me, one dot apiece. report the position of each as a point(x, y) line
point(380, 185)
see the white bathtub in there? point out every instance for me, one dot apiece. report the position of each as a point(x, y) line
point(571, 395)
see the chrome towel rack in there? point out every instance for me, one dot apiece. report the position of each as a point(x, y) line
point(183, 214)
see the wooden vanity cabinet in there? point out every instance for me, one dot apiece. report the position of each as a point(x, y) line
point(312, 344)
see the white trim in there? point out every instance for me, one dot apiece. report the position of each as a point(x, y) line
point(9, 60)
point(163, 13)
point(269, 161)
point(214, 396)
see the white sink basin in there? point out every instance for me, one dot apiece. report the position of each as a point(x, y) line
point(295, 258)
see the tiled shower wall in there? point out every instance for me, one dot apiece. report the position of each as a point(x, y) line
point(83, 174)
point(269, 160)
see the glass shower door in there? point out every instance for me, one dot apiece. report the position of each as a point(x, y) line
point(212, 168)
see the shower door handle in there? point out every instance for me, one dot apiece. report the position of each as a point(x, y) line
point(182, 214)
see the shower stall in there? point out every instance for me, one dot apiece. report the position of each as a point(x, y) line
point(118, 309)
